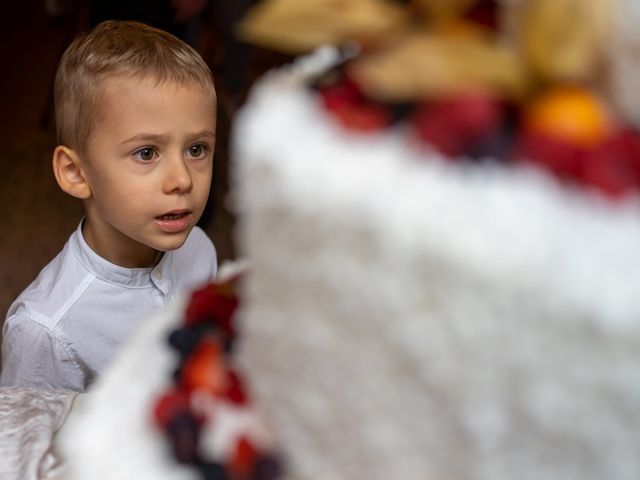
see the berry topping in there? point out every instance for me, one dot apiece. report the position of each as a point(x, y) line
point(214, 304)
point(204, 382)
point(183, 340)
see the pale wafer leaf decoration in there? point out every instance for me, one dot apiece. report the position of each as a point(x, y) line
point(563, 39)
point(424, 65)
point(538, 42)
point(297, 26)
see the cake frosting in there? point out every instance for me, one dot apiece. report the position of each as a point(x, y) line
point(413, 318)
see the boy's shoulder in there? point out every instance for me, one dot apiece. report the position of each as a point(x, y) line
point(51, 288)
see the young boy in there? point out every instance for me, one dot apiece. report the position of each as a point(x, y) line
point(135, 112)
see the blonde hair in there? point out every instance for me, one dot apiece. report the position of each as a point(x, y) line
point(116, 49)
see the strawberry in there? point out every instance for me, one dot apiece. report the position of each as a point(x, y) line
point(205, 368)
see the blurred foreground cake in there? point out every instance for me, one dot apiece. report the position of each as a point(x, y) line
point(445, 272)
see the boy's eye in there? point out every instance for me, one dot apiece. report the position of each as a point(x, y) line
point(146, 154)
point(197, 150)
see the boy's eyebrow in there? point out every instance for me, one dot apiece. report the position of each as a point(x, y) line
point(152, 137)
point(158, 138)
point(204, 133)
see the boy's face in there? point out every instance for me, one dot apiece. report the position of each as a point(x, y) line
point(148, 164)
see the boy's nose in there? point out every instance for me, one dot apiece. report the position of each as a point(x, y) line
point(177, 176)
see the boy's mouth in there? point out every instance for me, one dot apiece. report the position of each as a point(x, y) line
point(175, 221)
point(173, 215)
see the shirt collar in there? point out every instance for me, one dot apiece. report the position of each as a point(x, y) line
point(158, 276)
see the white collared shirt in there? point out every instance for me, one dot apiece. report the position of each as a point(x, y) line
point(64, 329)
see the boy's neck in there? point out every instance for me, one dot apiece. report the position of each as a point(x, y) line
point(121, 251)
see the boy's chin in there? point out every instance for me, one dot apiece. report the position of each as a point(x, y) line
point(170, 242)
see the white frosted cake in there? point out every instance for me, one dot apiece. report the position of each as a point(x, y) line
point(416, 319)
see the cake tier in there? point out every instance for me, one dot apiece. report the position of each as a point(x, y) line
point(406, 317)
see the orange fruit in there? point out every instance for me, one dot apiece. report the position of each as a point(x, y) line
point(569, 113)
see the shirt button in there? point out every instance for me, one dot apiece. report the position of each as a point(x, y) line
point(158, 274)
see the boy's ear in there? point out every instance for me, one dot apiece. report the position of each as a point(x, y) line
point(68, 171)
